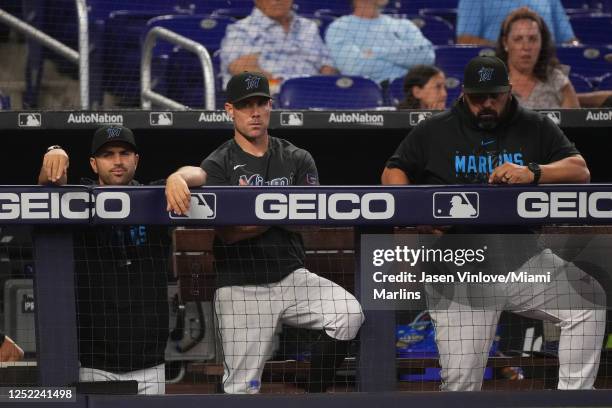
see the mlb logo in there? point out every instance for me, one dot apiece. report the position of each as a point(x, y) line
point(417, 117)
point(291, 119)
point(555, 116)
point(203, 207)
point(29, 120)
point(161, 118)
point(456, 204)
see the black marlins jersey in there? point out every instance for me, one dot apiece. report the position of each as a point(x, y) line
point(277, 252)
point(121, 279)
point(450, 148)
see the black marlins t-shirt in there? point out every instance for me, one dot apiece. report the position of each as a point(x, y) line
point(121, 279)
point(276, 253)
point(450, 148)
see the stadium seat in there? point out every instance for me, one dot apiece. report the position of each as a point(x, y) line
point(436, 29)
point(396, 91)
point(58, 18)
point(210, 6)
point(448, 14)
point(322, 20)
point(452, 60)
point(183, 76)
point(593, 29)
point(234, 12)
point(605, 83)
point(334, 8)
point(413, 6)
point(575, 4)
point(122, 52)
point(330, 92)
point(581, 84)
point(589, 62)
point(5, 101)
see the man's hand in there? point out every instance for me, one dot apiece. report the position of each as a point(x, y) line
point(510, 173)
point(178, 196)
point(9, 351)
point(55, 166)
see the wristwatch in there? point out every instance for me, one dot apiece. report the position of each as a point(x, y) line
point(53, 148)
point(536, 170)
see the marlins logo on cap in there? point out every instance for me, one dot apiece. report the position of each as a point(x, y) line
point(485, 74)
point(247, 84)
point(112, 133)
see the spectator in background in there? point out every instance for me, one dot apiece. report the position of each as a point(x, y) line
point(478, 22)
point(369, 44)
point(275, 41)
point(424, 88)
point(9, 350)
point(538, 79)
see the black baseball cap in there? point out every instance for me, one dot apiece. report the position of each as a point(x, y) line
point(485, 74)
point(247, 84)
point(112, 133)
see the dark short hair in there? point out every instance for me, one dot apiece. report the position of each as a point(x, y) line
point(547, 60)
point(419, 75)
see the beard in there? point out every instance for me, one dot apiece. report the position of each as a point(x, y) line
point(487, 119)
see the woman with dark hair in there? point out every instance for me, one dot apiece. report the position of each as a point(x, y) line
point(538, 79)
point(424, 88)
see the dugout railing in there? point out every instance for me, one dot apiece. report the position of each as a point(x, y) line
point(369, 209)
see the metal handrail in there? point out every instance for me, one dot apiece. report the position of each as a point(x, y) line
point(147, 95)
point(80, 57)
point(83, 22)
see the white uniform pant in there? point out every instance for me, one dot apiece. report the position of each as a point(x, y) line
point(151, 380)
point(248, 317)
point(464, 334)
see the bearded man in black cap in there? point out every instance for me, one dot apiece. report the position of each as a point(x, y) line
point(121, 275)
point(262, 281)
point(487, 138)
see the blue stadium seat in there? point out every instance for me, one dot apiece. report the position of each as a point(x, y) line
point(330, 92)
point(593, 29)
point(183, 77)
point(448, 14)
point(575, 4)
point(333, 8)
point(234, 12)
point(605, 83)
point(58, 18)
point(436, 29)
point(396, 91)
point(414, 6)
point(580, 83)
point(452, 60)
point(122, 52)
point(210, 6)
point(5, 101)
point(322, 20)
point(590, 62)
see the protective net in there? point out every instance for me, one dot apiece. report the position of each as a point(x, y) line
point(317, 54)
point(162, 321)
